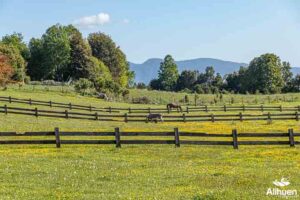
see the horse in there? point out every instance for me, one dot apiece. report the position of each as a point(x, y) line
point(172, 105)
point(155, 117)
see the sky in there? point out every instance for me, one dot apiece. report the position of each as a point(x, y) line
point(233, 30)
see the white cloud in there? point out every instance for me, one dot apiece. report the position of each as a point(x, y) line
point(92, 21)
point(126, 21)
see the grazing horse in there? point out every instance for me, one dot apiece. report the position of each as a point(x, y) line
point(172, 105)
point(155, 117)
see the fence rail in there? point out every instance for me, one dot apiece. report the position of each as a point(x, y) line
point(144, 118)
point(204, 108)
point(176, 137)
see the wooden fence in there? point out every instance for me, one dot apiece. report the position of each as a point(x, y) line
point(176, 137)
point(143, 118)
point(187, 109)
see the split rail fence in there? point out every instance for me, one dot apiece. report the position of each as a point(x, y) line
point(143, 118)
point(187, 109)
point(176, 137)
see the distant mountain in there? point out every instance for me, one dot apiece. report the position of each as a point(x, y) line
point(149, 69)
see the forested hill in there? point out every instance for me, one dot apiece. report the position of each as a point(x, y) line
point(148, 70)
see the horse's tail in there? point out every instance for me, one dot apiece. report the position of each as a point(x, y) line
point(168, 105)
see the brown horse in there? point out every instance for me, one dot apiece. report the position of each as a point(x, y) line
point(155, 117)
point(172, 105)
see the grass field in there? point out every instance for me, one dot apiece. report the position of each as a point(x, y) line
point(140, 171)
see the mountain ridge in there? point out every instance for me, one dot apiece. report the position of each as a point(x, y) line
point(148, 70)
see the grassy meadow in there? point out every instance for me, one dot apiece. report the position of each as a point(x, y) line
point(142, 171)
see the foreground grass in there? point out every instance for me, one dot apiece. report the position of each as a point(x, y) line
point(144, 172)
point(140, 171)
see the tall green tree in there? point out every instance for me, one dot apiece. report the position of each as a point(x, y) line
point(264, 74)
point(80, 55)
point(35, 65)
point(16, 40)
point(187, 79)
point(105, 49)
point(168, 73)
point(56, 47)
point(287, 75)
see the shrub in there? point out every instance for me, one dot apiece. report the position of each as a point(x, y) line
point(82, 85)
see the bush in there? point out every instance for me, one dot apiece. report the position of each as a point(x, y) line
point(141, 100)
point(27, 79)
point(107, 86)
point(82, 85)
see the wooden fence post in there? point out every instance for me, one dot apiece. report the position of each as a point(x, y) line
point(176, 134)
point(241, 116)
point(280, 108)
point(206, 109)
point(291, 138)
point(126, 117)
point(50, 103)
point(57, 138)
point(129, 110)
point(90, 108)
point(168, 108)
point(262, 108)
point(70, 106)
point(149, 110)
point(183, 117)
point(187, 109)
point(9, 99)
point(67, 114)
point(297, 116)
point(269, 116)
point(109, 109)
point(96, 116)
point(235, 139)
point(30, 102)
point(5, 109)
point(36, 112)
point(225, 109)
point(244, 108)
point(212, 118)
point(117, 137)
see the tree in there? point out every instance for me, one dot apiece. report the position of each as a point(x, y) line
point(15, 60)
point(80, 53)
point(56, 47)
point(264, 74)
point(218, 81)
point(287, 75)
point(155, 84)
point(168, 73)
point(34, 67)
point(235, 81)
point(6, 71)
point(16, 40)
point(104, 48)
point(187, 79)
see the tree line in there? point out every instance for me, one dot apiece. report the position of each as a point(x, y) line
point(265, 74)
point(62, 54)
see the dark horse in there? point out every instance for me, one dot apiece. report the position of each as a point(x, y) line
point(155, 117)
point(170, 106)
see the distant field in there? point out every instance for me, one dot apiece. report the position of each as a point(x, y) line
point(162, 97)
point(141, 171)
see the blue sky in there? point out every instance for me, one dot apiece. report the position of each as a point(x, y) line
point(235, 30)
